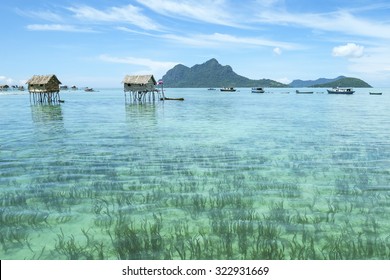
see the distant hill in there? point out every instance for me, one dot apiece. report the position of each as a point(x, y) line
point(211, 74)
point(346, 82)
point(340, 81)
point(310, 83)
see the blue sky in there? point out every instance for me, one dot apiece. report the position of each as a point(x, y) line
point(96, 43)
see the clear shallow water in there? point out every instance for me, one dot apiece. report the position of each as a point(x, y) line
point(218, 176)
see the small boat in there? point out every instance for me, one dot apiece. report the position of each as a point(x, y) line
point(257, 90)
point(211, 89)
point(89, 89)
point(304, 92)
point(375, 93)
point(228, 89)
point(339, 90)
point(170, 98)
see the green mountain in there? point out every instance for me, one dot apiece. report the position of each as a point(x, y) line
point(310, 83)
point(346, 82)
point(211, 74)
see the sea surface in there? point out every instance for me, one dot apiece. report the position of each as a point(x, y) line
point(277, 175)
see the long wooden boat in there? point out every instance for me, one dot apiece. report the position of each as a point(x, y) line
point(375, 93)
point(304, 92)
point(171, 98)
point(338, 90)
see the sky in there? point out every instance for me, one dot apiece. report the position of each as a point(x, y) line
point(97, 42)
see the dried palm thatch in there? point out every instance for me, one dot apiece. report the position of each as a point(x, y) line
point(139, 83)
point(44, 88)
point(43, 83)
point(139, 79)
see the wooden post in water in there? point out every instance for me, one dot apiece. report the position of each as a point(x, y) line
point(161, 83)
point(44, 88)
point(141, 88)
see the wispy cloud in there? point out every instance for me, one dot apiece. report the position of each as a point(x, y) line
point(149, 65)
point(75, 18)
point(221, 40)
point(215, 12)
point(218, 40)
point(269, 3)
point(57, 27)
point(127, 14)
point(129, 30)
point(43, 15)
point(339, 21)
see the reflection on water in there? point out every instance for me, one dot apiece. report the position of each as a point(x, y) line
point(268, 176)
point(143, 114)
point(45, 113)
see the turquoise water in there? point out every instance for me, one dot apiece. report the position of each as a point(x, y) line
point(218, 176)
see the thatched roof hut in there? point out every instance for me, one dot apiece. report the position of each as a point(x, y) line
point(43, 84)
point(136, 83)
point(4, 87)
point(44, 88)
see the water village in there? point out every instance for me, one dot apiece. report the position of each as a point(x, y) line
point(136, 88)
point(146, 88)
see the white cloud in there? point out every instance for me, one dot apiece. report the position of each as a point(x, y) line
point(348, 50)
point(129, 30)
point(373, 66)
point(268, 3)
point(193, 40)
point(45, 15)
point(150, 66)
point(283, 80)
point(221, 40)
point(56, 27)
point(126, 14)
point(277, 51)
point(216, 12)
point(6, 80)
point(340, 21)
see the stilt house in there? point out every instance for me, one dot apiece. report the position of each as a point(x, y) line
point(4, 87)
point(44, 88)
point(140, 87)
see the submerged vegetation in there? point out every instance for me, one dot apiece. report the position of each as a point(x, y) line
point(128, 214)
point(136, 192)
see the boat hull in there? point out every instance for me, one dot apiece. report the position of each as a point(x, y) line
point(257, 90)
point(170, 98)
point(340, 92)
